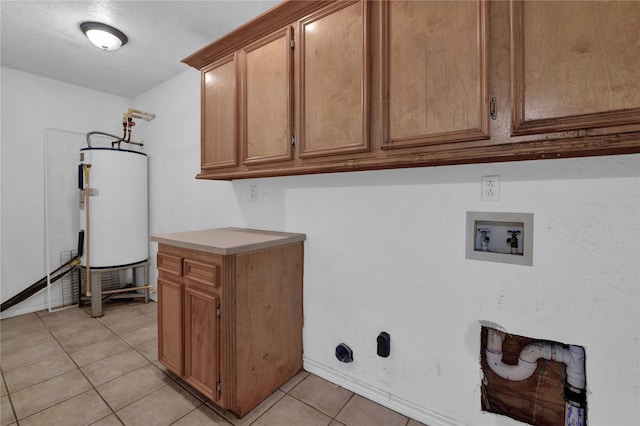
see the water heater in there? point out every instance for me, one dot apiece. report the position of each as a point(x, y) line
point(117, 232)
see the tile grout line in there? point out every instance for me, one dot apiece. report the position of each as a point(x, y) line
point(309, 405)
point(86, 378)
point(13, 410)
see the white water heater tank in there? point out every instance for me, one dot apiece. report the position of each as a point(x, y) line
point(118, 231)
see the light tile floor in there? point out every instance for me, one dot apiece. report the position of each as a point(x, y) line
point(66, 368)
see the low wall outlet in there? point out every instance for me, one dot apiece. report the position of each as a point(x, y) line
point(490, 188)
point(253, 193)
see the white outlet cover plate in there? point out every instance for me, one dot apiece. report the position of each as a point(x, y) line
point(490, 187)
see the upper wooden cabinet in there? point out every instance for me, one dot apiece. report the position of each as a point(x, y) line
point(334, 95)
point(267, 99)
point(219, 146)
point(435, 77)
point(400, 83)
point(576, 65)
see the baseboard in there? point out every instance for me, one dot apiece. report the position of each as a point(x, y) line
point(383, 398)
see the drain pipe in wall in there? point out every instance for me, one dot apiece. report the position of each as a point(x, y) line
point(572, 356)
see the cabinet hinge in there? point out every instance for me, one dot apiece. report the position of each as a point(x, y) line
point(293, 43)
point(293, 140)
point(219, 386)
point(218, 311)
point(493, 108)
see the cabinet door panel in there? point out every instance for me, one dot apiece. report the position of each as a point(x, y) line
point(201, 341)
point(575, 65)
point(219, 113)
point(268, 99)
point(334, 71)
point(435, 72)
point(170, 325)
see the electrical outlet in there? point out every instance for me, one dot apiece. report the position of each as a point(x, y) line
point(490, 188)
point(253, 190)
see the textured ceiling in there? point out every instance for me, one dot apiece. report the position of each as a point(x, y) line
point(44, 38)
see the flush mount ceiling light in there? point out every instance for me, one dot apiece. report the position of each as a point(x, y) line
point(104, 36)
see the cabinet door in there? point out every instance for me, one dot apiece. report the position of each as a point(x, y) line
point(170, 325)
point(435, 72)
point(219, 144)
point(334, 95)
point(575, 65)
point(267, 99)
point(202, 369)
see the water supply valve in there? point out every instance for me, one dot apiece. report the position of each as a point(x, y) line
point(513, 240)
point(484, 238)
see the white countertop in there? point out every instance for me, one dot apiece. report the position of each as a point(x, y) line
point(228, 240)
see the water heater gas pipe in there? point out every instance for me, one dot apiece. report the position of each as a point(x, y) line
point(85, 169)
point(572, 356)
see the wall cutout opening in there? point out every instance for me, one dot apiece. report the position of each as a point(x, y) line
point(500, 237)
point(536, 381)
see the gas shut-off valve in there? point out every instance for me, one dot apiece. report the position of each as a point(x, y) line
point(513, 240)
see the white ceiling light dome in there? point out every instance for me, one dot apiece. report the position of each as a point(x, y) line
point(104, 36)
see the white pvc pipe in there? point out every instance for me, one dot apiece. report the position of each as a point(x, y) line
point(572, 356)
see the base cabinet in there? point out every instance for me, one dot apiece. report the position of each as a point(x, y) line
point(230, 325)
point(201, 344)
point(170, 313)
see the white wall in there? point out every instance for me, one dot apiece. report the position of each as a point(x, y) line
point(32, 107)
point(177, 201)
point(385, 252)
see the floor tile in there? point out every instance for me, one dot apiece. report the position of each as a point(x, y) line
point(85, 337)
point(125, 319)
point(30, 354)
point(98, 351)
point(81, 410)
point(110, 420)
point(150, 309)
point(149, 350)
point(52, 319)
point(25, 339)
point(202, 416)
point(114, 366)
point(6, 412)
point(39, 371)
point(291, 412)
point(159, 408)
point(64, 328)
point(17, 321)
point(294, 381)
point(251, 415)
point(41, 352)
point(141, 335)
point(360, 411)
point(132, 386)
point(322, 395)
point(18, 325)
point(46, 394)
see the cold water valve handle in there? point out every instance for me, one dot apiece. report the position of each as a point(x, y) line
point(513, 240)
